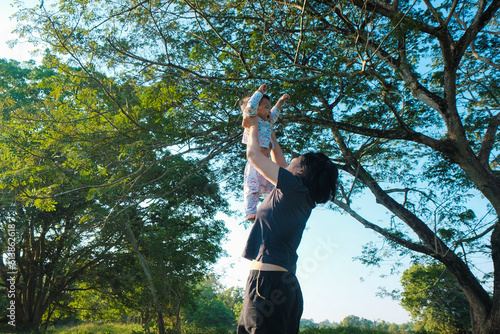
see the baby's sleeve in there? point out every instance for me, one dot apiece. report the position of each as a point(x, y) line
point(275, 114)
point(253, 104)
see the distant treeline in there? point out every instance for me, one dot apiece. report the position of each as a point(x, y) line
point(354, 324)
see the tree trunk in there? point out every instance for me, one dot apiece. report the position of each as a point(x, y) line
point(489, 322)
point(149, 276)
point(485, 312)
point(488, 326)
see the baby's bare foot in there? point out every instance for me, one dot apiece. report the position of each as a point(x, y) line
point(251, 216)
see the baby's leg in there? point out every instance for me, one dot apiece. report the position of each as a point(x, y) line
point(265, 187)
point(251, 191)
point(266, 151)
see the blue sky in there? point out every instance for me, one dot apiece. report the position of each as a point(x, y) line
point(333, 284)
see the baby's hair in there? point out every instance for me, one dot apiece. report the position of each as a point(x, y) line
point(243, 102)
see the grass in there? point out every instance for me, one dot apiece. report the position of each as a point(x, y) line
point(111, 328)
point(97, 328)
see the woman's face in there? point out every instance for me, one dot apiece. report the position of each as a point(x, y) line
point(295, 166)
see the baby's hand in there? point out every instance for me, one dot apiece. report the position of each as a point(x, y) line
point(282, 100)
point(285, 97)
point(263, 88)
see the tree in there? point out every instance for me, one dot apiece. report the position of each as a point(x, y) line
point(306, 323)
point(327, 324)
point(355, 321)
point(212, 307)
point(83, 192)
point(54, 243)
point(402, 95)
point(52, 251)
point(433, 297)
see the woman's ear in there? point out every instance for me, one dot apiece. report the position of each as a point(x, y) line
point(296, 167)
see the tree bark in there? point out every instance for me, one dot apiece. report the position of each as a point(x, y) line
point(149, 275)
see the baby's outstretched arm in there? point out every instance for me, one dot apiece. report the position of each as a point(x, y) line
point(275, 111)
point(282, 100)
point(252, 103)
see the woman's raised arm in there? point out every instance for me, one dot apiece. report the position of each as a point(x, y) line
point(276, 153)
point(262, 164)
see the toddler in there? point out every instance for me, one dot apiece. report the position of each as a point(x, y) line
point(255, 184)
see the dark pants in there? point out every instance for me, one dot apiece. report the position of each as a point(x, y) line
point(273, 304)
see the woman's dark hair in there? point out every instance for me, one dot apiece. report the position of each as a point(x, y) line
point(319, 176)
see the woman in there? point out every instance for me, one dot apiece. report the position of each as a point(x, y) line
point(273, 301)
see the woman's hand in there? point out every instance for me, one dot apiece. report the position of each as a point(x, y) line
point(249, 121)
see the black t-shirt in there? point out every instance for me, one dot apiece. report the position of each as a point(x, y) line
point(279, 223)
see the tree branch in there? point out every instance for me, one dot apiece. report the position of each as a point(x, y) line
point(225, 41)
point(434, 12)
point(480, 21)
point(403, 134)
point(383, 232)
point(391, 12)
point(301, 32)
point(450, 15)
point(483, 59)
point(394, 111)
point(476, 237)
point(418, 90)
point(489, 141)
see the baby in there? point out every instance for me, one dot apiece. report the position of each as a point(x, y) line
point(255, 184)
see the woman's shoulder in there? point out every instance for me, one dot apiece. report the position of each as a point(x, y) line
point(287, 180)
point(292, 186)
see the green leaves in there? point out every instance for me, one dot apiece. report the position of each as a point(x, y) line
point(403, 97)
point(86, 156)
point(213, 307)
point(433, 298)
